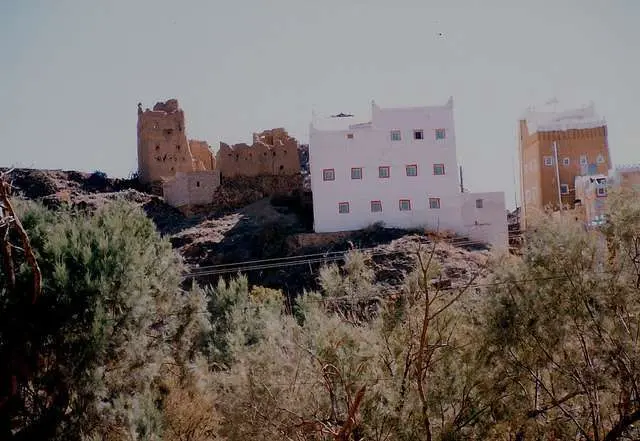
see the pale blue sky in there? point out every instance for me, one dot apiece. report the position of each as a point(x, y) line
point(72, 71)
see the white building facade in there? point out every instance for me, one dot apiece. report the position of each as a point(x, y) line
point(399, 169)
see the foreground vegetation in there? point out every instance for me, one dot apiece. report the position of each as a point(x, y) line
point(100, 341)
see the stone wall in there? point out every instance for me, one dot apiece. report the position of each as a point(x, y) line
point(239, 191)
point(186, 190)
point(273, 152)
point(163, 148)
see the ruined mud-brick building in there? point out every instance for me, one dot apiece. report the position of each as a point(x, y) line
point(184, 169)
point(273, 152)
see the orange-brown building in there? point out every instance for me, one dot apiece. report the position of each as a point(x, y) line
point(555, 147)
point(163, 147)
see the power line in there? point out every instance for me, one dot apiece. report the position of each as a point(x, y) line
point(283, 262)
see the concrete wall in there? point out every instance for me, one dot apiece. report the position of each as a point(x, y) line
point(193, 188)
point(262, 158)
point(486, 221)
point(163, 149)
point(369, 146)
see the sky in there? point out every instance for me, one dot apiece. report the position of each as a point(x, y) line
point(73, 71)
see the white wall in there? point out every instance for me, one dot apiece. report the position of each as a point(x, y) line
point(372, 147)
point(487, 224)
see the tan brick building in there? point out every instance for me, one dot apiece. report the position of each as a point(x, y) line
point(273, 152)
point(548, 174)
point(163, 147)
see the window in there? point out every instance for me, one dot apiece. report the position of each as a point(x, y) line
point(343, 207)
point(349, 135)
point(434, 203)
point(328, 174)
point(548, 160)
point(178, 147)
point(438, 169)
point(405, 205)
point(157, 148)
point(376, 206)
point(479, 203)
point(600, 159)
point(418, 135)
point(441, 134)
point(564, 189)
point(601, 191)
point(384, 171)
point(412, 170)
point(583, 160)
point(395, 135)
point(356, 173)
point(197, 183)
point(156, 125)
point(566, 161)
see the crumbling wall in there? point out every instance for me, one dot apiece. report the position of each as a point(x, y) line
point(186, 190)
point(203, 157)
point(273, 152)
point(163, 148)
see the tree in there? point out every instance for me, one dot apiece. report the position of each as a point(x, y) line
point(408, 372)
point(562, 331)
point(83, 360)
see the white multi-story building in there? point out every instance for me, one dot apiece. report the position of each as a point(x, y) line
point(399, 169)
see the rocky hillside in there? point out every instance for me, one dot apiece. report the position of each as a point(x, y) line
point(275, 232)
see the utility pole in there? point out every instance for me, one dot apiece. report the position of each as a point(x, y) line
point(555, 153)
point(461, 186)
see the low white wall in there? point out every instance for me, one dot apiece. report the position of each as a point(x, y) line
point(487, 224)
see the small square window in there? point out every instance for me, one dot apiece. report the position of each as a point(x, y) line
point(384, 172)
point(564, 189)
point(479, 203)
point(418, 135)
point(566, 161)
point(438, 169)
point(328, 174)
point(343, 208)
point(395, 135)
point(441, 134)
point(356, 173)
point(583, 160)
point(376, 206)
point(548, 161)
point(434, 203)
point(412, 170)
point(405, 205)
point(349, 135)
point(601, 191)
